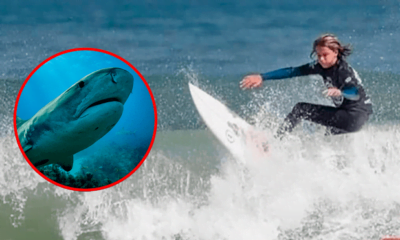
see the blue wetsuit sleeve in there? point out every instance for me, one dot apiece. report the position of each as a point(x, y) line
point(290, 72)
point(351, 92)
point(349, 84)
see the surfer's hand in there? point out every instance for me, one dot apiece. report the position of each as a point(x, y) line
point(332, 92)
point(251, 81)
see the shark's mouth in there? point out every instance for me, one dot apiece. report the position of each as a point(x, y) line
point(103, 101)
point(107, 100)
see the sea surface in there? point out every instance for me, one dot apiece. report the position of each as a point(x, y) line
point(310, 187)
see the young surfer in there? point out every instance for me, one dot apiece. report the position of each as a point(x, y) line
point(352, 105)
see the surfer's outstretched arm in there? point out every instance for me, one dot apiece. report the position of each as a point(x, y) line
point(306, 69)
point(255, 80)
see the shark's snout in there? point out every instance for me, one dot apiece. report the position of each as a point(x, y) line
point(104, 86)
point(122, 77)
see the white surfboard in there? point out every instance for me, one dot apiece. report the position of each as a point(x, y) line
point(242, 139)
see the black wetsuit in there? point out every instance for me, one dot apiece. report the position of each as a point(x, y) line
point(347, 116)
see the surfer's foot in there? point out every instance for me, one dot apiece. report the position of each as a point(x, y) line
point(280, 135)
point(284, 129)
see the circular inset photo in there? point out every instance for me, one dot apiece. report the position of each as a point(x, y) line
point(85, 119)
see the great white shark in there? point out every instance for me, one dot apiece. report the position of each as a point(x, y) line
point(76, 119)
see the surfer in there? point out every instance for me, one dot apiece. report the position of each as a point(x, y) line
point(352, 106)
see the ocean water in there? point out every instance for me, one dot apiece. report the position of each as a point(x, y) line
point(189, 187)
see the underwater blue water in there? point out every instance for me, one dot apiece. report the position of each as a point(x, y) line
point(136, 125)
point(134, 131)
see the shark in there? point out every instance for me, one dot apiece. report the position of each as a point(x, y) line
point(76, 119)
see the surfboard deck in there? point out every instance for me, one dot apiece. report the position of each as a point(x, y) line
point(242, 140)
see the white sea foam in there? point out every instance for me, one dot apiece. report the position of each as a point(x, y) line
point(339, 187)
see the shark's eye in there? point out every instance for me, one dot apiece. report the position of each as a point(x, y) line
point(81, 84)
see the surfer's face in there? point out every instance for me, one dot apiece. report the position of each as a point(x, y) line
point(326, 57)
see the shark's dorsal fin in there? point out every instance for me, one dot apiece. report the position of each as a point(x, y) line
point(20, 121)
point(66, 162)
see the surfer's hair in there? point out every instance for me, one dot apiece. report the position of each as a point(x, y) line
point(332, 42)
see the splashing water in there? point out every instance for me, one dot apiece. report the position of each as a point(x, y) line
point(310, 187)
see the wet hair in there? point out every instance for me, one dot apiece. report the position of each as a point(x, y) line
point(333, 43)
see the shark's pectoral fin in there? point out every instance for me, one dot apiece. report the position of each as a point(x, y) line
point(66, 163)
point(26, 147)
point(19, 121)
point(25, 143)
point(44, 161)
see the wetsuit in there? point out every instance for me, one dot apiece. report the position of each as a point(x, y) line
point(347, 116)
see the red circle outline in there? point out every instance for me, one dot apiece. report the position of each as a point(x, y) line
point(154, 108)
